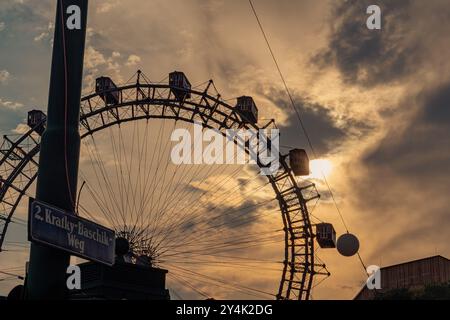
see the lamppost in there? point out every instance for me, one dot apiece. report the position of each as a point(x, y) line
point(60, 145)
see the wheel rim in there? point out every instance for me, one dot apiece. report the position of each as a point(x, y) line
point(147, 101)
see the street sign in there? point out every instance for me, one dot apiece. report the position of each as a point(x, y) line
point(54, 227)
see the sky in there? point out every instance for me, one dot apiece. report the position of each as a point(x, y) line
point(375, 102)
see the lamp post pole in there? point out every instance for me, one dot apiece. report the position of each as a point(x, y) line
point(60, 145)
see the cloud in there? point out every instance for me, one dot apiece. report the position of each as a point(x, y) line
point(324, 128)
point(99, 62)
point(367, 57)
point(2, 26)
point(21, 128)
point(133, 60)
point(418, 149)
point(105, 7)
point(4, 76)
point(11, 115)
point(46, 34)
point(241, 216)
point(10, 104)
point(41, 36)
point(93, 58)
point(393, 182)
point(406, 180)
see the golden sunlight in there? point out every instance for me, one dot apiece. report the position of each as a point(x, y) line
point(320, 168)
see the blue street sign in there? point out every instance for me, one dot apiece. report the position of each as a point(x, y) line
point(80, 237)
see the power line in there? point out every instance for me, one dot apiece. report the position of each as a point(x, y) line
point(12, 275)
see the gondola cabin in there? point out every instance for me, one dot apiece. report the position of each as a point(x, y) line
point(36, 120)
point(326, 235)
point(180, 85)
point(247, 108)
point(107, 90)
point(299, 161)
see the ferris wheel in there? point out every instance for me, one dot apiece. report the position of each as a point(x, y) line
point(222, 231)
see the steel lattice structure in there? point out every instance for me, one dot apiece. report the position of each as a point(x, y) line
point(144, 101)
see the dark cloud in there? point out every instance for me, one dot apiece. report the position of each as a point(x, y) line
point(371, 57)
point(421, 149)
point(224, 217)
point(319, 122)
point(234, 217)
point(437, 108)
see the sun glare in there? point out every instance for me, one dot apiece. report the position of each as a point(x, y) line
point(320, 168)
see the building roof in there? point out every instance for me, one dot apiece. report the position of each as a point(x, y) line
point(414, 261)
point(403, 264)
